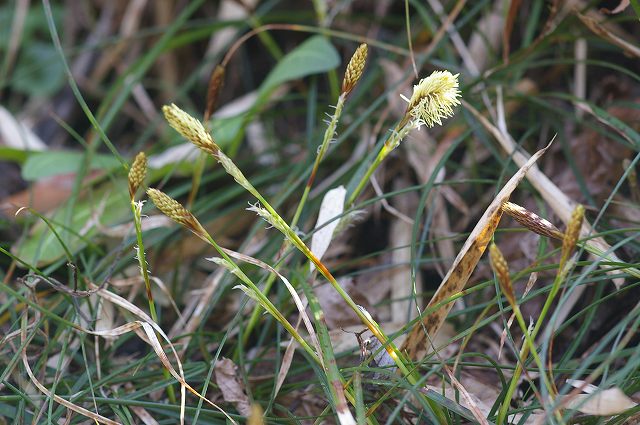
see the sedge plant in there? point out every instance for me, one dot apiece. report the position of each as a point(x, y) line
point(569, 242)
point(193, 130)
point(136, 176)
point(433, 99)
point(352, 75)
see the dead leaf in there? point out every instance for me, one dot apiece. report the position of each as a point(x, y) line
point(612, 401)
point(17, 135)
point(463, 265)
point(602, 31)
point(332, 206)
point(232, 388)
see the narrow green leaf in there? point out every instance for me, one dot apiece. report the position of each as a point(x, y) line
point(47, 164)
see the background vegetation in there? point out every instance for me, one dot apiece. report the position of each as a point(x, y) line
point(82, 85)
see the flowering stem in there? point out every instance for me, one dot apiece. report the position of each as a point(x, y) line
point(397, 135)
point(136, 208)
point(506, 401)
point(142, 262)
point(329, 134)
point(569, 242)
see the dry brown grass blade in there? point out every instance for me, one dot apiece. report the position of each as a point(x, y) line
point(470, 402)
point(193, 313)
point(144, 416)
point(150, 328)
point(602, 31)
point(514, 7)
point(69, 405)
point(464, 264)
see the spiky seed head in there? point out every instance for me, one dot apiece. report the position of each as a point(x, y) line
point(169, 206)
point(190, 128)
point(215, 84)
point(354, 69)
point(137, 173)
point(176, 212)
point(501, 269)
point(433, 99)
point(531, 221)
point(572, 234)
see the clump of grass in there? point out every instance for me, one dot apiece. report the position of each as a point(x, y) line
point(432, 100)
point(46, 320)
point(499, 264)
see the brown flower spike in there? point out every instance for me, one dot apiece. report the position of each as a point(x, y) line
point(137, 173)
point(501, 269)
point(176, 212)
point(215, 84)
point(531, 221)
point(354, 69)
point(572, 235)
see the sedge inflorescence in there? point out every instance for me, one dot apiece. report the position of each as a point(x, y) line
point(433, 99)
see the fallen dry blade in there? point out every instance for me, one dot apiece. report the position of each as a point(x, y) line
point(464, 264)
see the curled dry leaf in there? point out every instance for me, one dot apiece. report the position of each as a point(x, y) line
point(147, 330)
point(231, 387)
point(331, 207)
point(601, 30)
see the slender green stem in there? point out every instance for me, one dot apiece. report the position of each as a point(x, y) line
point(329, 134)
point(262, 299)
point(324, 147)
point(142, 262)
point(397, 135)
point(504, 407)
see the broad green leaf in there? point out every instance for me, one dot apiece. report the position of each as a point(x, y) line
point(314, 56)
point(102, 207)
point(51, 163)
